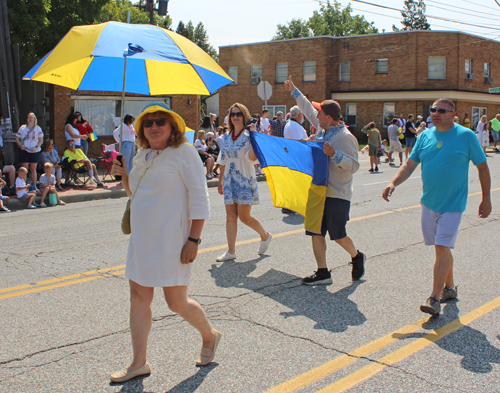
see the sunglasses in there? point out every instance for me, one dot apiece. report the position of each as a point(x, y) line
point(440, 110)
point(236, 114)
point(159, 122)
point(71, 144)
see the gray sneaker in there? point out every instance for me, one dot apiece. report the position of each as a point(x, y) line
point(448, 293)
point(431, 306)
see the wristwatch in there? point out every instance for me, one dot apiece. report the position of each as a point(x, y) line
point(197, 241)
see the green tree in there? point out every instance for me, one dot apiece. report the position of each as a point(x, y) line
point(198, 35)
point(330, 20)
point(38, 25)
point(413, 16)
point(118, 10)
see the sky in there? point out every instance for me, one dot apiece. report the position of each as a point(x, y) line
point(231, 22)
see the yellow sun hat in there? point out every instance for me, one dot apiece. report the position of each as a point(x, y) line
point(160, 107)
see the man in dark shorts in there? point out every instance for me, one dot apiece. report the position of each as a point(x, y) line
point(342, 148)
point(410, 135)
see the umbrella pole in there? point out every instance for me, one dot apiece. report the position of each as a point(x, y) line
point(123, 103)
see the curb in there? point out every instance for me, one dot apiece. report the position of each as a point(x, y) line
point(16, 204)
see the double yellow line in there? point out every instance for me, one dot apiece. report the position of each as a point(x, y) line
point(92, 275)
point(378, 365)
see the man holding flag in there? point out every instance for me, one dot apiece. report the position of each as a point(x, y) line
point(342, 148)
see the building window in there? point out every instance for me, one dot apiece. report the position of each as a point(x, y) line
point(468, 66)
point(437, 67)
point(233, 74)
point(389, 113)
point(350, 114)
point(103, 114)
point(256, 74)
point(345, 71)
point(382, 66)
point(273, 109)
point(477, 113)
point(309, 71)
point(281, 72)
point(486, 70)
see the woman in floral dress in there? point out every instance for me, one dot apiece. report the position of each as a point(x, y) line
point(237, 181)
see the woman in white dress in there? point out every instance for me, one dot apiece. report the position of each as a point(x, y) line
point(169, 205)
point(71, 132)
point(482, 133)
point(237, 181)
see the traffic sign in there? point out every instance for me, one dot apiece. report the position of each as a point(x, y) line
point(495, 90)
point(264, 90)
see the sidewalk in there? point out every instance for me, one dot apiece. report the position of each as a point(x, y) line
point(91, 192)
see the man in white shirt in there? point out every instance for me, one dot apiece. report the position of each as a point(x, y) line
point(293, 129)
point(402, 122)
point(264, 121)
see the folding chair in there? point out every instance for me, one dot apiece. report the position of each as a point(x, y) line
point(109, 153)
point(73, 171)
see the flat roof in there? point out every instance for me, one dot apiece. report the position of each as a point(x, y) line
point(362, 35)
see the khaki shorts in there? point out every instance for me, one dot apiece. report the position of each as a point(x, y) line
point(396, 146)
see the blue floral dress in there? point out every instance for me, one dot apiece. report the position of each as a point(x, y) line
point(240, 182)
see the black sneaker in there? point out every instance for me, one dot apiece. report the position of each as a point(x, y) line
point(318, 278)
point(370, 170)
point(358, 266)
point(376, 169)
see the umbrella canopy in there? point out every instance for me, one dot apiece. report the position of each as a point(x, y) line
point(159, 61)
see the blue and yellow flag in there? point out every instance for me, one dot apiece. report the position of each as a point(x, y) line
point(297, 175)
point(93, 137)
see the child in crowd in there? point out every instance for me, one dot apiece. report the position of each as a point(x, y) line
point(3, 199)
point(48, 184)
point(22, 189)
point(383, 151)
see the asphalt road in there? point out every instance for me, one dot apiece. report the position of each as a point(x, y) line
point(64, 303)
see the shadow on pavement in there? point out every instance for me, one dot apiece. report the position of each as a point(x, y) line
point(331, 311)
point(478, 353)
point(192, 383)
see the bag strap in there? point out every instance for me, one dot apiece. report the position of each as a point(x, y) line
point(149, 166)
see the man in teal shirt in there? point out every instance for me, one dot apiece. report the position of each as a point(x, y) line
point(444, 152)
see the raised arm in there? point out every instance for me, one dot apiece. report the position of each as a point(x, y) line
point(303, 103)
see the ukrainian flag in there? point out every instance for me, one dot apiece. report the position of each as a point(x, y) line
point(297, 175)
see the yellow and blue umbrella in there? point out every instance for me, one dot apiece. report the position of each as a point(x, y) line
point(159, 61)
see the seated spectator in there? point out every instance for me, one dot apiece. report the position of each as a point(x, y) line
point(81, 159)
point(3, 199)
point(49, 154)
point(48, 184)
point(206, 158)
point(10, 171)
point(23, 190)
point(213, 150)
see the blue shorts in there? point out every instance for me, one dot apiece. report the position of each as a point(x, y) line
point(410, 142)
point(3, 198)
point(494, 134)
point(440, 229)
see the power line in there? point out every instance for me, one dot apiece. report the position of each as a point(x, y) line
point(481, 5)
point(461, 8)
point(430, 16)
point(459, 12)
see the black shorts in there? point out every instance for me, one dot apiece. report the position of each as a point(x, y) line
point(25, 156)
point(335, 218)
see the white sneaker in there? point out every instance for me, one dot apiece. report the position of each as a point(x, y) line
point(264, 244)
point(226, 257)
point(92, 181)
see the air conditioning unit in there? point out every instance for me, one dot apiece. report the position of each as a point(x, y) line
point(488, 79)
point(255, 79)
point(470, 77)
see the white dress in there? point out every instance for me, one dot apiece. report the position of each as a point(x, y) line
point(68, 135)
point(172, 192)
point(483, 134)
point(240, 182)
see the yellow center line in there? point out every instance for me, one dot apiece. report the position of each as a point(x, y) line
point(80, 277)
point(373, 368)
point(344, 360)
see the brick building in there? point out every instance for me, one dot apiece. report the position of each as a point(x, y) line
point(374, 77)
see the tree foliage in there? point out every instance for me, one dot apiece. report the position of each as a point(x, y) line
point(118, 10)
point(38, 25)
point(198, 35)
point(413, 16)
point(330, 20)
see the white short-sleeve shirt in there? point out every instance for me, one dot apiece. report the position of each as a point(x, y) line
point(47, 181)
point(294, 130)
point(20, 183)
